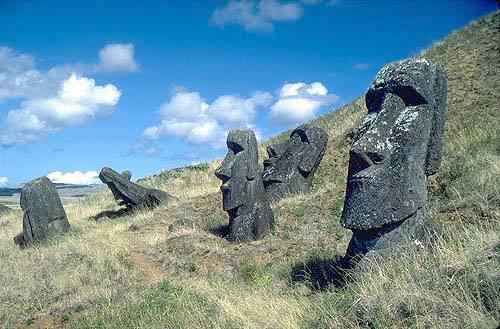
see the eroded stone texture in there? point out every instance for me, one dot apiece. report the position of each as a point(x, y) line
point(292, 164)
point(44, 216)
point(243, 194)
point(396, 147)
point(131, 194)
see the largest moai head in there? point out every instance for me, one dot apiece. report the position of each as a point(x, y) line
point(292, 164)
point(397, 145)
point(243, 194)
point(44, 216)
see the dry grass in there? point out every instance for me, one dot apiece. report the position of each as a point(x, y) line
point(167, 269)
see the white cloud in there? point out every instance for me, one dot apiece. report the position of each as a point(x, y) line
point(50, 100)
point(256, 16)
point(117, 57)
point(299, 102)
point(75, 177)
point(235, 110)
point(3, 181)
point(79, 100)
point(20, 79)
point(196, 122)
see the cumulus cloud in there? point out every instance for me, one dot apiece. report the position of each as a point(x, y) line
point(50, 100)
point(299, 102)
point(117, 57)
point(256, 15)
point(75, 177)
point(3, 181)
point(196, 122)
point(78, 101)
point(20, 79)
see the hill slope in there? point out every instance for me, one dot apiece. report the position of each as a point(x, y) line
point(166, 269)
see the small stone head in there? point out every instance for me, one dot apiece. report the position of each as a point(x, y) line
point(111, 178)
point(397, 145)
point(239, 167)
point(291, 165)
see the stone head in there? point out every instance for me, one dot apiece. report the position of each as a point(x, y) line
point(238, 169)
point(397, 145)
point(114, 180)
point(291, 164)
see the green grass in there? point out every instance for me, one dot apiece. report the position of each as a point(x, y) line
point(138, 271)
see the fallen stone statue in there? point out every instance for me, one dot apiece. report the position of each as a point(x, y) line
point(130, 194)
point(44, 216)
point(396, 147)
point(292, 164)
point(243, 194)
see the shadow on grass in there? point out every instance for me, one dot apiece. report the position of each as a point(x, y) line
point(111, 214)
point(220, 231)
point(321, 273)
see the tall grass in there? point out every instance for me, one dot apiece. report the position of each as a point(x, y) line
point(166, 268)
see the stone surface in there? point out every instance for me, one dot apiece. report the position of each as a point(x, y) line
point(243, 194)
point(396, 147)
point(292, 164)
point(44, 215)
point(130, 194)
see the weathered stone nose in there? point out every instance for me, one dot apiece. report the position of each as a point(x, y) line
point(361, 160)
point(223, 173)
point(273, 151)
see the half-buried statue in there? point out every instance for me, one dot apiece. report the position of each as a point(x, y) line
point(243, 194)
point(396, 147)
point(44, 216)
point(292, 164)
point(130, 194)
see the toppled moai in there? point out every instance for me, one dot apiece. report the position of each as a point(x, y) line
point(44, 216)
point(396, 147)
point(243, 194)
point(130, 194)
point(292, 164)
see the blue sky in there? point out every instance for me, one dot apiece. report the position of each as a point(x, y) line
point(155, 85)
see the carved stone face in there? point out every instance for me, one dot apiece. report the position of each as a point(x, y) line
point(291, 165)
point(239, 167)
point(397, 145)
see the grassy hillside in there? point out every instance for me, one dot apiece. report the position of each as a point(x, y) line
point(167, 269)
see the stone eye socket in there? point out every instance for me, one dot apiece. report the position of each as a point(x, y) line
point(236, 148)
point(302, 136)
point(410, 96)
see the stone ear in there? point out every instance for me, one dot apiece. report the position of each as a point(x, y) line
point(127, 174)
point(252, 157)
point(435, 144)
point(310, 159)
point(318, 140)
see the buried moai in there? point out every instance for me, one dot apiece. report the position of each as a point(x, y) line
point(44, 216)
point(131, 194)
point(243, 194)
point(292, 164)
point(396, 147)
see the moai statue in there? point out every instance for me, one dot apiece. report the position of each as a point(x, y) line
point(292, 164)
point(44, 216)
point(243, 194)
point(396, 147)
point(131, 194)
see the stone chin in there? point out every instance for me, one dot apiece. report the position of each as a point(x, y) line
point(373, 202)
point(227, 203)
